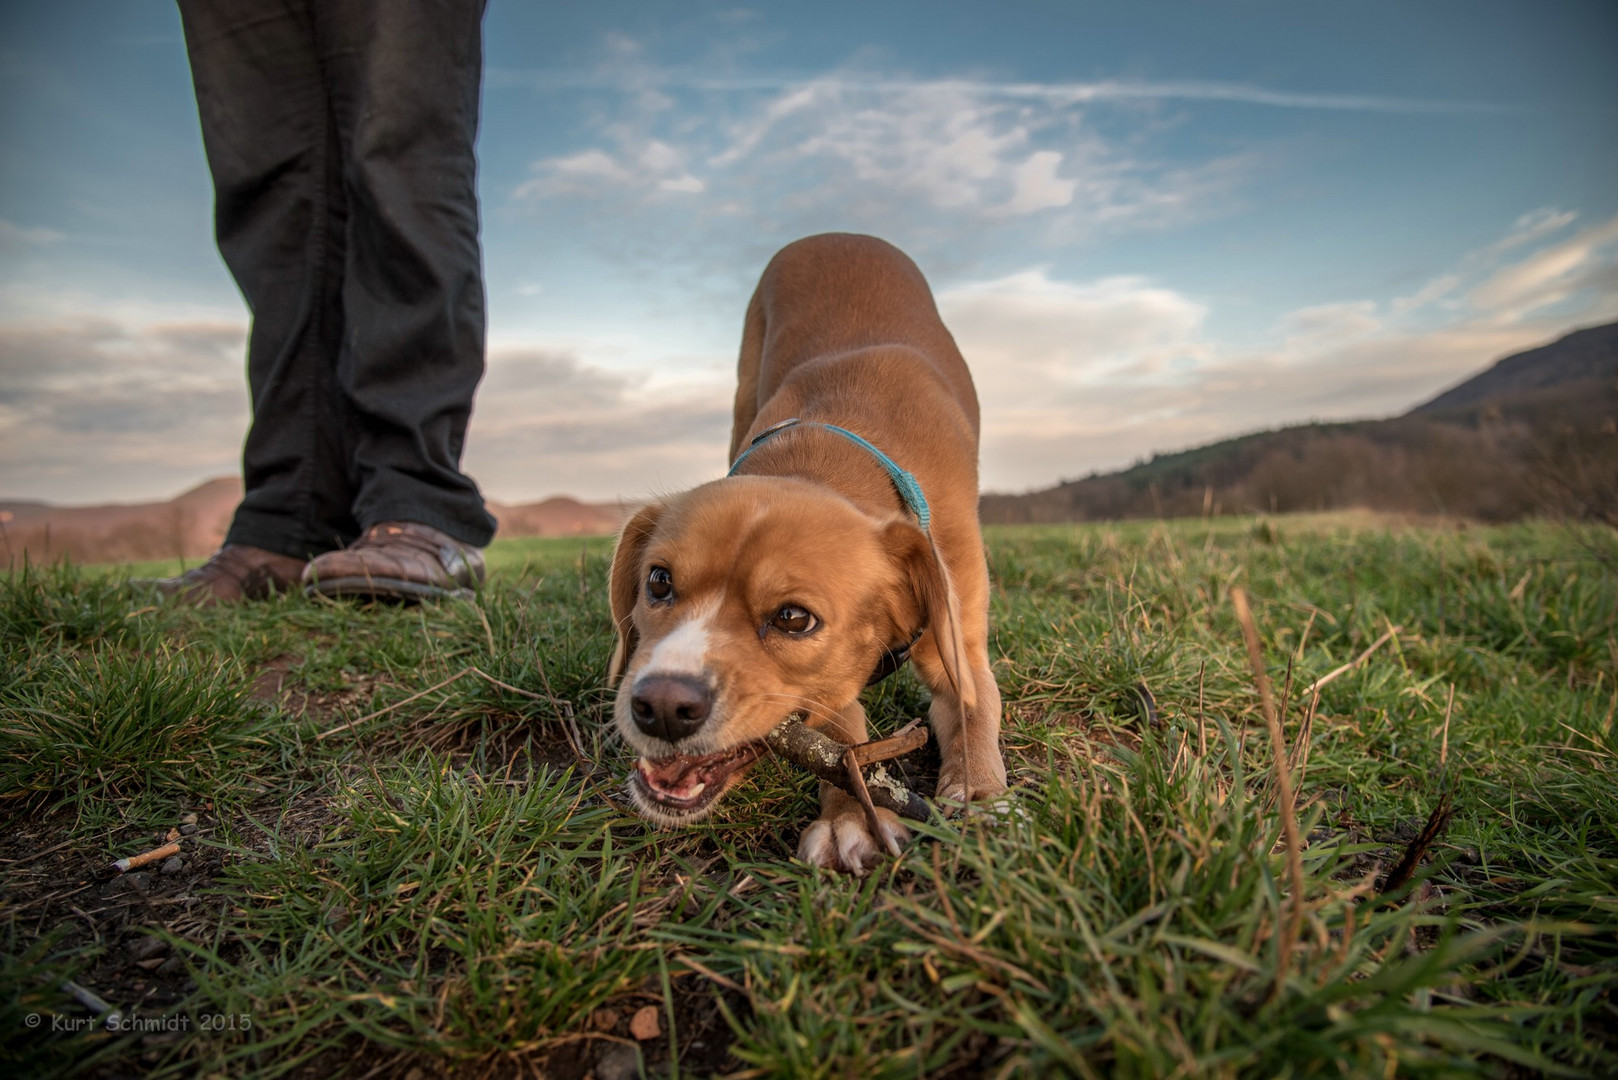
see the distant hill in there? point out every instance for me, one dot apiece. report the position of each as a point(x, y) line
point(1536, 431)
point(559, 516)
point(192, 525)
point(1583, 361)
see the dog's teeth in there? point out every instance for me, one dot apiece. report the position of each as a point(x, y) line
point(696, 789)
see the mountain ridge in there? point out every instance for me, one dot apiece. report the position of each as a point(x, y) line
point(1485, 448)
point(193, 523)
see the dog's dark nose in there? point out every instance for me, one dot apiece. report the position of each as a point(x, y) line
point(671, 707)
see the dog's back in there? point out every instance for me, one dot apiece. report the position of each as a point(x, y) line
point(841, 297)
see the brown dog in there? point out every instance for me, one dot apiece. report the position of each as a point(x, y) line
point(785, 585)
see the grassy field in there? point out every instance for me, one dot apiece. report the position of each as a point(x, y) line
point(406, 852)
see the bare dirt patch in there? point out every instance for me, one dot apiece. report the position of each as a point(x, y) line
point(69, 892)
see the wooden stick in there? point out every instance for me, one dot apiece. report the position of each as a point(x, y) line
point(824, 756)
point(901, 742)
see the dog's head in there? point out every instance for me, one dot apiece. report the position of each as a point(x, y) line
point(744, 600)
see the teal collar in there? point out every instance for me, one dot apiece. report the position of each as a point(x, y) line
point(909, 488)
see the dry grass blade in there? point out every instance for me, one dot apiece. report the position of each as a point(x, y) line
point(368, 717)
point(1283, 784)
point(563, 706)
point(1443, 745)
point(1315, 686)
point(1302, 742)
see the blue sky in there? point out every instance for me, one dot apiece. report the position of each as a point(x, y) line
point(1149, 225)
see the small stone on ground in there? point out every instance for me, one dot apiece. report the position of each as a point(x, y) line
point(645, 1023)
point(619, 1063)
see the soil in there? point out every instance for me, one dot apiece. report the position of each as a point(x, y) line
point(72, 895)
point(69, 892)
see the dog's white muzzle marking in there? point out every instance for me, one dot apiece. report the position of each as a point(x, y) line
point(685, 651)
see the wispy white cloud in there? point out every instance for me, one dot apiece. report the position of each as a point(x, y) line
point(881, 155)
point(1435, 290)
point(1035, 185)
point(1449, 288)
point(653, 166)
point(1531, 227)
point(1326, 326)
point(1056, 93)
point(1027, 332)
point(15, 236)
point(1551, 275)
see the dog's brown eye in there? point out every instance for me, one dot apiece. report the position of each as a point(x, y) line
point(794, 620)
point(660, 584)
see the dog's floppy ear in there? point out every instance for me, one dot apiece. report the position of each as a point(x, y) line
point(624, 584)
point(934, 594)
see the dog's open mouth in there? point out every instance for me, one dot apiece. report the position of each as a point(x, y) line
point(686, 786)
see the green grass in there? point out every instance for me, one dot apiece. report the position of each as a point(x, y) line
point(449, 879)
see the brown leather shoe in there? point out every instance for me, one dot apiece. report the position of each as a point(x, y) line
point(235, 573)
point(398, 560)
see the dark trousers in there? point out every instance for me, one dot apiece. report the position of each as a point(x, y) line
point(340, 137)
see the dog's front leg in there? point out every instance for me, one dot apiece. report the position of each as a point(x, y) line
point(841, 838)
point(971, 768)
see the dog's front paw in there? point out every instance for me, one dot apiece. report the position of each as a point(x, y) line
point(841, 840)
point(955, 789)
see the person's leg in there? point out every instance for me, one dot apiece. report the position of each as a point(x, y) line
point(404, 79)
point(280, 220)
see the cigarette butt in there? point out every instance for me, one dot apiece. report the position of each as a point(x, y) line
point(123, 866)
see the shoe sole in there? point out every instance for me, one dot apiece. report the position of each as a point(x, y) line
point(200, 595)
point(380, 588)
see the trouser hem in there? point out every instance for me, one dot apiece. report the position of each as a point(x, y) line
point(281, 535)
